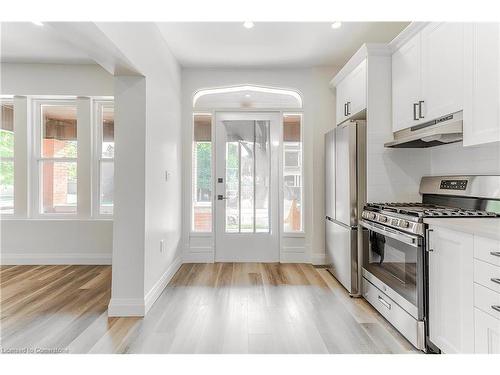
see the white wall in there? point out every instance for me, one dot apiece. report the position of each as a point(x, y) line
point(319, 114)
point(25, 240)
point(55, 79)
point(159, 137)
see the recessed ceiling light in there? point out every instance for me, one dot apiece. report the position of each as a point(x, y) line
point(247, 95)
point(38, 23)
point(248, 24)
point(336, 25)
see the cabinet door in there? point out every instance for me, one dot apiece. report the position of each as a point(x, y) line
point(442, 69)
point(451, 293)
point(482, 83)
point(341, 99)
point(405, 84)
point(487, 333)
point(356, 89)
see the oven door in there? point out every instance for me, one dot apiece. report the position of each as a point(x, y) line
point(393, 261)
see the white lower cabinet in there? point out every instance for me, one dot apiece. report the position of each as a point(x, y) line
point(451, 290)
point(464, 292)
point(487, 333)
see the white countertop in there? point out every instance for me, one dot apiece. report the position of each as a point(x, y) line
point(486, 227)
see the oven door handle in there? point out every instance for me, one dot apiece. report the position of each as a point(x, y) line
point(407, 239)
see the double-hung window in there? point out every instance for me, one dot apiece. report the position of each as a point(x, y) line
point(105, 150)
point(7, 157)
point(56, 148)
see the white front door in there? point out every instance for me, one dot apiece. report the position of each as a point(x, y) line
point(246, 186)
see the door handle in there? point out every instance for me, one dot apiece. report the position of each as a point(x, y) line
point(420, 103)
point(220, 197)
point(384, 302)
point(496, 307)
point(495, 253)
point(495, 280)
point(415, 105)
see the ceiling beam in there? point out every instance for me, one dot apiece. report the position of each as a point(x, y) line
point(87, 37)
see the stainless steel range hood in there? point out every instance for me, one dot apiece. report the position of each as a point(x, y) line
point(447, 129)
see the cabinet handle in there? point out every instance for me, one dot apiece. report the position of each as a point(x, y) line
point(388, 305)
point(495, 280)
point(345, 109)
point(348, 109)
point(428, 242)
point(495, 253)
point(420, 115)
point(415, 105)
point(496, 307)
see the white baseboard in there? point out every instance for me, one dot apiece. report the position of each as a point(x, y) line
point(200, 257)
point(157, 289)
point(123, 307)
point(318, 259)
point(10, 259)
point(293, 257)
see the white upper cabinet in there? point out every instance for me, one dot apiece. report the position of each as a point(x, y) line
point(482, 83)
point(341, 100)
point(406, 84)
point(427, 75)
point(442, 69)
point(351, 94)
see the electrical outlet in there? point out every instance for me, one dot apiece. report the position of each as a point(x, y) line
point(162, 246)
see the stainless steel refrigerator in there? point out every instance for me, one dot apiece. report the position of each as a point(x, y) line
point(345, 196)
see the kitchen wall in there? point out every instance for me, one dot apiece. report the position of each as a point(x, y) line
point(319, 115)
point(456, 159)
point(25, 240)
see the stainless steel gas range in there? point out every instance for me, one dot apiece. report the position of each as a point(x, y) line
point(395, 257)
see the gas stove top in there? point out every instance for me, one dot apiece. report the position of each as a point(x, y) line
point(421, 210)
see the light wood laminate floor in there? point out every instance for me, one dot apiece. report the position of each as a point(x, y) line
point(206, 308)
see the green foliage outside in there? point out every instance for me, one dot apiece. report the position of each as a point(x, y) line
point(204, 165)
point(6, 150)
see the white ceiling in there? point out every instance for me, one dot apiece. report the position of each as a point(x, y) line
point(215, 44)
point(25, 42)
point(278, 44)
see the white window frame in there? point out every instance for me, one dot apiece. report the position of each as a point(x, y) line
point(97, 159)
point(286, 233)
point(37, 159)
point(9, 100)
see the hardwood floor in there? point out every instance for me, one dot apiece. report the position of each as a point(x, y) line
point(206, 308)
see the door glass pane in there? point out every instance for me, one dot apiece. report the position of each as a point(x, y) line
point(59, 131)
point(262, 172)
point(247, 176)
point(7, 130)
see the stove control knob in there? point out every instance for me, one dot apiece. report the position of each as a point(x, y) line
point(383, 219)
point(404, 224)
point(372, 216)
